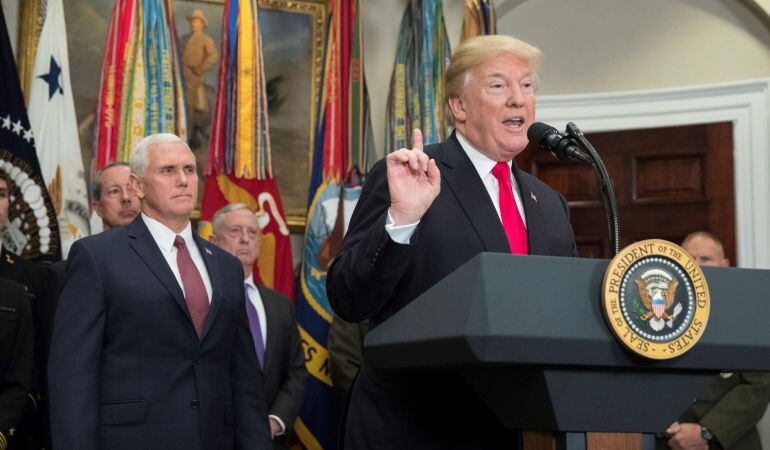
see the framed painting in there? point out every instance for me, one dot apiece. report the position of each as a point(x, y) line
point(293, 35)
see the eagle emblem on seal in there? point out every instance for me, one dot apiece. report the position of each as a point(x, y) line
point(657, 291)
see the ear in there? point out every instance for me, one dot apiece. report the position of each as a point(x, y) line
point(136, 185)
point(457, 108)
point(97, 205)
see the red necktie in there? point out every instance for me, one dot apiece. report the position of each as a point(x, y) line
point(513, 225)
point(194, 290)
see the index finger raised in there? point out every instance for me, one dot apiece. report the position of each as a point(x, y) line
point(417, 140)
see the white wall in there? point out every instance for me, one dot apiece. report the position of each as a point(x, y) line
point(598, 45)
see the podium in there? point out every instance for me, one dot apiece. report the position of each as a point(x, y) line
point(528, 335)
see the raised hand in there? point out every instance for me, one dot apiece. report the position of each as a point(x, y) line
point(414, 181)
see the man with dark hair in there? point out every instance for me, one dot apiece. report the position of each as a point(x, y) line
point(725, 416)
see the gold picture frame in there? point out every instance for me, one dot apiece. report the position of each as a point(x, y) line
point(293, 35)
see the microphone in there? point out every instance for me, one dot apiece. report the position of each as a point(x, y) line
point(550, 139)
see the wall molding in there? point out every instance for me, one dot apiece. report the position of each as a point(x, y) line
point(745, 103)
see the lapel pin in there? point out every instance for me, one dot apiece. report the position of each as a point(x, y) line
point(208, 251)
point(533, 196)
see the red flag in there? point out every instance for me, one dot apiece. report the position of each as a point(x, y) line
point(228, 151)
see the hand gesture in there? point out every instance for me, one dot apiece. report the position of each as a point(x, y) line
point(414, 182)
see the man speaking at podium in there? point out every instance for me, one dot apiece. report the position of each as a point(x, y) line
point(423, 212)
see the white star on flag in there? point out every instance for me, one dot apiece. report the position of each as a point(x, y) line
point(52, 119)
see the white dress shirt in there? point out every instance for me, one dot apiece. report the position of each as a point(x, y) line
point(256, 300)
point(164, 237)
point(483, 165)
point(259, 305)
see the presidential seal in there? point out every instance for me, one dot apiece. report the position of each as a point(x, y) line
point(655, 299)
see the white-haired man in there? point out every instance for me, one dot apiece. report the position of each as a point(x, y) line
point(271, 319)
point(151, 346)
point(421, 215)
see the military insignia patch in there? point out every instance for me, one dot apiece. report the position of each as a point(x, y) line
point(655, 299)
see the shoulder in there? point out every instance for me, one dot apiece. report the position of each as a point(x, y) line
point(14, 298)
point(276, 298)
point(12, 288)
point(222, 258)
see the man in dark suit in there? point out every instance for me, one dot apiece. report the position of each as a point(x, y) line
point(725, 415)
point(117, 205)
point(271, 316)
point(151, 346)
point(422, 214)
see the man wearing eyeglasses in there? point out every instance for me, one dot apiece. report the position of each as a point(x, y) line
point(114, 201)
point(271, 319)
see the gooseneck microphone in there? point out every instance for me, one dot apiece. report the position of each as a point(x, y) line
point(573, 145)
point(550, 139)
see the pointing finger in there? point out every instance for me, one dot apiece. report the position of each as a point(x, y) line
point(417, 140)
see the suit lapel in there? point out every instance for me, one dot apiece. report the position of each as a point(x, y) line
point(271, 321)
point(145, 246)
point(207, 254)
point(536, 230)
point(463, 179)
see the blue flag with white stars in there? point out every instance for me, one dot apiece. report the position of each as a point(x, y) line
point(31, 230)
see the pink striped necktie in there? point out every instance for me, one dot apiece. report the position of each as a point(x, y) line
point(513, 225)
point(195, 294)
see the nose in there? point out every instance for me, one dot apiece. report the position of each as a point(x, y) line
point(183, 178)
point(515, 97)
point(126, 194)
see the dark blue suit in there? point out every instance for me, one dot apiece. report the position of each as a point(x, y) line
point(373, 277)
point(127, 369)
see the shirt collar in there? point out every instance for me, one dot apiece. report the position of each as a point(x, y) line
point(164, 236)
point(481, 162)
point(249, 281)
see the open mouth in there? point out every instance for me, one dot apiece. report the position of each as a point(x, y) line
point(514, 122)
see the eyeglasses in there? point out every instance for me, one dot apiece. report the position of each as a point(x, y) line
point(237, 231)
point(117, 191)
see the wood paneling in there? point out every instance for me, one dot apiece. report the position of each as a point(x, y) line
point(668, 182)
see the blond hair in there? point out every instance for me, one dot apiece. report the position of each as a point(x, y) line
point(478, 50)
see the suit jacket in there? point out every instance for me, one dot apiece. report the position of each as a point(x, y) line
point(284, 371)
point(127, 369)
point(16, 363)
point(373, 277)
point(731, 407)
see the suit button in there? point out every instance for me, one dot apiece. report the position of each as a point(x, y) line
point(194, 404)
point(197, 361)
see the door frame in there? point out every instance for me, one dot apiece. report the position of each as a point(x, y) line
point(746, 104)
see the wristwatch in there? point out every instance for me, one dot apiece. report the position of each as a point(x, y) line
point(706, 434)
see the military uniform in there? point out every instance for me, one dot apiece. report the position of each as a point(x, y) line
point(16, 363)
point(35, 278)
point(730, 408)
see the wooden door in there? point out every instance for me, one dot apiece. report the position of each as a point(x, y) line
point(668, 182)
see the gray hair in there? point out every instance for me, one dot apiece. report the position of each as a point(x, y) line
point(219, 217)
point(98, 178)
point(139, 158)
